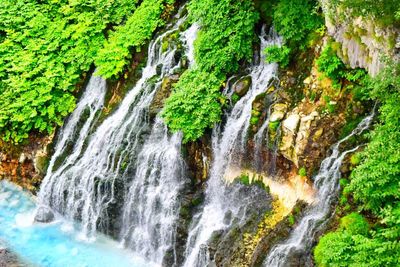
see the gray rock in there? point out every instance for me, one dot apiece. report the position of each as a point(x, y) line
point(242, 86)
point(44, 215)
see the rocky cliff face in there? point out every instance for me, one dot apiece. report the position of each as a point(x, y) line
point(364, 42)
point(25, 164)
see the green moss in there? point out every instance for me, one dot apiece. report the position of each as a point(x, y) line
point(291, 220)
point(254, 120)
point(274, 125)
point(302, 172)
point(244, 179)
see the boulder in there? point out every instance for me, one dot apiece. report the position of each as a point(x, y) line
point(162, 94)
point(44, 215)
point(242, 86)
point(291, 123)
point(279, 111)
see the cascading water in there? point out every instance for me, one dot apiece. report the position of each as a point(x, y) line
point(121, 156)
point(151, 206)
point(226, 205)
point(326, 182)
point(73, 133)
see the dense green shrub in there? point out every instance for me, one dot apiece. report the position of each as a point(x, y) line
point(224, 39)
point(226, 34)
point(295, 20)
point(279, 54)
point(375, 182)
point(44, 49)
point(375, 186)
point(194, 105)
point(302, 172)
point(356, 247)
point(354, 223)
point(138, 29)
point(330, 64)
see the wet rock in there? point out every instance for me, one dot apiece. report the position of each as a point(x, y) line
point(308, 80)
point(22, 158)
point(318, 133)
point(292, 122)
point(303, 134)
point(278, 113)
point(44, 215)
point(297, 129)
point(8, 259)
point(364, 42)
point(241, 87)
point(159, 69)
point(40, 161)
point(162, 94)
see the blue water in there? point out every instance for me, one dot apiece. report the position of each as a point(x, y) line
point(58, 244)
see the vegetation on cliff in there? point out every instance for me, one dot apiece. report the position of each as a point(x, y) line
point(46, 47)
point(374, 185)
point(225, 38)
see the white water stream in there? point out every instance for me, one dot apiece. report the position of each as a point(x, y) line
point(326, 182)
point(123, 154)
point(224, 203)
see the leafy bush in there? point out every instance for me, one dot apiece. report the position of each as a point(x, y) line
point(224, 39)
point(44, 49)
point(375, 187)
point(226, 34)
point(375, 181)
point(138, 29)
point(279, 54)
point(330, 64)
point(355, 244)
point(193, 106)
point(295, 20)
point(354, 223)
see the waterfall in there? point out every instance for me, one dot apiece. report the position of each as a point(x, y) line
point(124, 178)
point(151, 206)
point(228, 204)
point(326, 182)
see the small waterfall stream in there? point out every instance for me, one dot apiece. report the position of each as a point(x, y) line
point(152, 206)
point(326, 182)
point(226, 205)
point(122, 155)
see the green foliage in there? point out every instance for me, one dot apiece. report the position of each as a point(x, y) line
point(279, 54)
point(385, 11)
point(375, 186)
point(44, 49)
point(138, 29)
point(355, 159)
point(193, 106)
point(302, 172)
point(375, 183)
point(330, 64)
point(292, 219)
point(354, 223)
point(224, 39)
point(244, 179)
point(273, 125)
point(295, 20)
point(353, 244)
point(226, 35)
